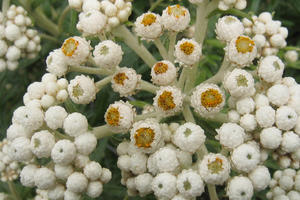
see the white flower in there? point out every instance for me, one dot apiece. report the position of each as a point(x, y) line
point(56, 63)
point(265, 116)
point(42, 143)
point(230, 135)
point(163, 73)
point(148, 26)
point(12, 32)
point(175, 18)
point(55, 116)
point(81, 161)
point(36, 90)
point(240, 188)
point(233, 116)
point(15, 130)
point(261, 100)
point(27, 175)
point(270, 69)
point(76, 50)
point(196, 1)
point(20, 149)
point(286, 182)
point(146, 135)
point(125, 81)
point(290, 142)
point(119, 116)
point(260, 178)
point(168, 100)
point(94, 189)
point(44, 178)
point(138, 163)
point(245, 157)
point(229, 27)
point(75, 124)
point(124, 163)
point(293, 195)
point(82, 90)
point(63, 171)
point(248, 122)
point(270, 138)
point(76, 4)
point(245, 105)
point(91, 22)
point(166, 159)
point(85, 143)
point(77, 182)
point(291, 56)
point(106, 175)
point(241, 51)
point(90, 5)
point(92, 170)
point(189, 137)
point(187, 52)
point(286, 118)
point(278, 94)
point(143, 184)
point(190, 184)
point(164, 185)
point(57, 192)
point(214, 169)
point(207, 99)
point(63, 152)
point(68, 195)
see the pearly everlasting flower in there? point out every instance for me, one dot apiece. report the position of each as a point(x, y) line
point(76, 50)
point(214, 169)
point(261, 100)
point(164, 185)
point(107, 54)
point(187, 52)
point(44, 178)
point(138, 163)
point(77, 182)
point(207, 99)
point(94, 189)
point(230, 135)
point(245, 105)
point(290, 142)
point(286, 118)
point(265, 116)
point(143, 183)
point(248, 122)
point(270, 138)
point(75, 124)
point(85, 143)
point(233, 116)
point(168, 100)
point(63, 171)
point(260, 178)
point(278, 94)
point(15, 131)
point(146, 135)
point(20, 150)
point(175, 18)
point(190, 184)
point(163, 73)
point(240, 188)
point(166, 159)
point(55, 116)
point(57, 192)
point(270, 69)
point(68, 195)
point(91, 22)
point(42, 143)
point(27, 175)
point(93, 171)
point(63, 152)
point(119, 116)
point(148, 26)
point(241, 51)
point(291, 56)
point(57, 63)
point(229, 27)
point(189, 137)
point(82, 90)
point(125, 81)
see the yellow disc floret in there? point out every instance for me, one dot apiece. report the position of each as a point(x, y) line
point(177, 11)
point(211, 98)
point(69, 46)
point(216, 166)
point(113, 116)
point(244, 44)
point(120, 78)
point(165, 101)
point(144, 137)
point(187, 48)
point(160, 68)
point(148, 19)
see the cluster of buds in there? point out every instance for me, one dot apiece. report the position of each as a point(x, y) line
point(226, 4)
point(17, 39)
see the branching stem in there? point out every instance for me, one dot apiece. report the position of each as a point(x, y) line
point(100, 84)
point(162, 50)
point(90, 70)
point(145, 85)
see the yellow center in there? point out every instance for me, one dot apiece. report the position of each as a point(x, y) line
point(187, 48)
point(120, 78)
point(244, 44)
point(160, 68)
point(216, 166)
point(113, 116)
point(144, 137)
point(177, 11)
point(148, 19)
point(242, 80)
point(165, 101)
point(77, 91)
point(211, 98)
point(69, 46)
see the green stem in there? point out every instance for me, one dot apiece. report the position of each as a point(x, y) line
point(212, 192)
point(201, 22)
point(100, 84)
point(191, 78)
point(218, 77)
point(5, 7)
point(187, 113)
point(155, 5)
point(13, 190)
point(90, 70)
point(146, 116)
point(133, 42)
point(291, 48)
point(63, 17)
point(102, 131)
point(172, 38)
point(162, 50)
point(49, 37)
point(182, 78)
point(144, 85)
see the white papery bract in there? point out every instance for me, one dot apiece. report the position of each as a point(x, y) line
point(187, 52)
point(164, 185)
point(270, 138)
point(75, 124)
point(240, 188)
point(228, 27)
point(148, 26)
point(42, 143)
point(230, 135)
point(163, 73)
point(57, 63)
point(63, 152)
point(190, 184)
point(260, 178)
point(91, 22)
point(270, 69)
point(175, 18)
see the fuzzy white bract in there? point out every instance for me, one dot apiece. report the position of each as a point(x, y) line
point(148, 26)
point(187, 52)
point(175, 18)
point(163, 73)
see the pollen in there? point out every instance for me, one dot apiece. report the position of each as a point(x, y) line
point(120, 78)
point(244, 44)
point(177, 11)
point(69, 46)
point(144, 137)
point(187, 48)
point(113, 116)
point(160, 68)
point(148, 19)
point(165, 101)
point(241, 80)
point(211, 98)
point(216, 166)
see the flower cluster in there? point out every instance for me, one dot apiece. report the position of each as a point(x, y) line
point(17, 39)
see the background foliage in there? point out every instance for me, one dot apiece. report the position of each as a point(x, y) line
point(13, 84)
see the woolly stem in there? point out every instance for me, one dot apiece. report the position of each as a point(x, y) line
point(5, 7)
point(13, 190)
point(191, 78)
point(187, 113)
point(162, 50)
point(102, 131)
point(133, 42)
point(201, 22)
point(100, 84)
point(147, 115)
point(144, 85)
point(218, 77)
point(212, 192)
point(49, 37)
point(172, 38)
point(63, 17)
point(90, 70)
